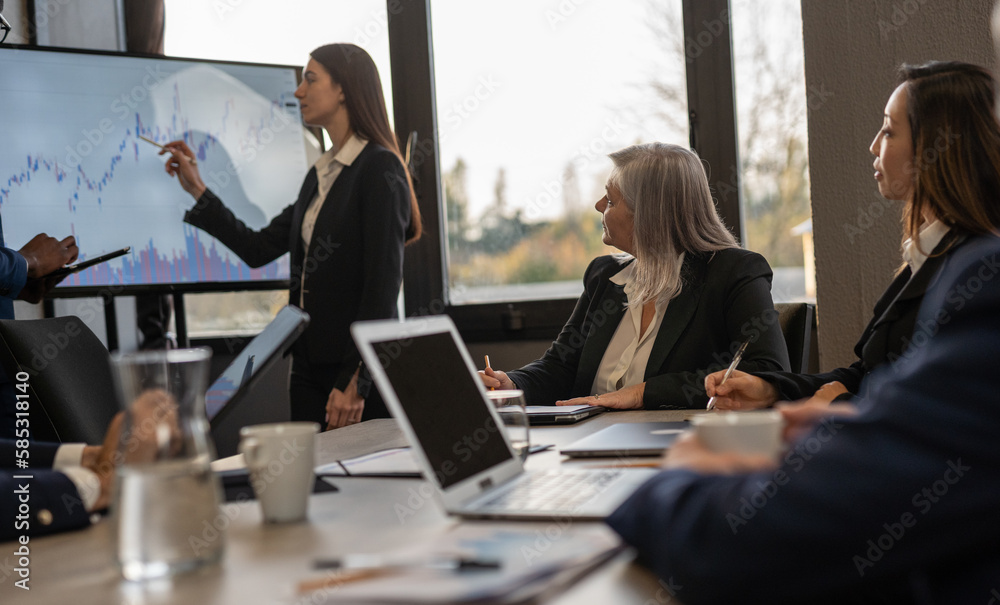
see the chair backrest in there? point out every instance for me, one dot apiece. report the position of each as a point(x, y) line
point(797, 320)
point(72, 390)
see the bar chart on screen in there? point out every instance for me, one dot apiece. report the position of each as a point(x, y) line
point(75, 161)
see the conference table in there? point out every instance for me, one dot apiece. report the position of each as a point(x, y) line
point(263, 563)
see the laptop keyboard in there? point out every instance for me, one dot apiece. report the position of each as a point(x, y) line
point(552, 490)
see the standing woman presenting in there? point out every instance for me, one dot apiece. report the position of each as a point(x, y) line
point(345, 232)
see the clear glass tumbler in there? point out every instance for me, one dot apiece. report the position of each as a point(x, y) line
point(165, 509)
point(510, 405)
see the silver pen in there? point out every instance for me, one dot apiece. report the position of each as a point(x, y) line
point(729, 371)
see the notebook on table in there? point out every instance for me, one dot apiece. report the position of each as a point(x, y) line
point(428, 381)
point(561, 414)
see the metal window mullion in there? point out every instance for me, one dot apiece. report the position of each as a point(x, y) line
point(414, 109)
point(711, 90)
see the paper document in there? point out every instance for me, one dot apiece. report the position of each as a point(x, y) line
point(535, 560)
point(395, 462)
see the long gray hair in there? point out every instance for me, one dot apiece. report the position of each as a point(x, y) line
point(667, 191)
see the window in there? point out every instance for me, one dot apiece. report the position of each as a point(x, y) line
point(528, 108)
point(232, 313)
point(772, 105)
point(259, 32)
point(530, 97)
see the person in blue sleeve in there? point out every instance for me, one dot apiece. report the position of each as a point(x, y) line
point(60, 487)
point(23, 276)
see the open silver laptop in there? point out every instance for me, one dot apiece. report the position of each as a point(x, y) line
point(428, 381)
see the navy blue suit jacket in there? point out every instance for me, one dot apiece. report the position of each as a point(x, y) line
point(725, 298)
point(13, 275)
point(899, 504)
point(47, 490)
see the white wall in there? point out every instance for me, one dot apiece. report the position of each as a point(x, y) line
point(93, 24)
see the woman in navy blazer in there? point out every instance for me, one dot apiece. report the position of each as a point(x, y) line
point(683, 271)
point(345, 232)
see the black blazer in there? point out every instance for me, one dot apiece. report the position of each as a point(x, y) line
point(355, 262)
point(888, 336)
point(725, 298)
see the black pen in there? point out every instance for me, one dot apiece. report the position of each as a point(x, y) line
point(732, 366)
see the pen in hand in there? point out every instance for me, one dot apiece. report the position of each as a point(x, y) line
point(193, 161)
point(729, 371)
point(489, 368)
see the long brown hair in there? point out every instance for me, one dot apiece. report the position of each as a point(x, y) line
point(956, 147)
point(353, 69)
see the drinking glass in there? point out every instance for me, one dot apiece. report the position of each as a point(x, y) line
point(510, 404)
point(165, 507)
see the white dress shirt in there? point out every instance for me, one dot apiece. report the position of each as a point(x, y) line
point(624, 362)
point(930, 236)
point(67, 461)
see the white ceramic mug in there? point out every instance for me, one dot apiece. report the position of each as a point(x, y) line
point(746, 432)
point(280, 458)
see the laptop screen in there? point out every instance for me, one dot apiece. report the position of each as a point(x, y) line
point(446, 409)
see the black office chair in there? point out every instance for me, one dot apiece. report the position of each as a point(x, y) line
point(71, 389)
point(797, 321)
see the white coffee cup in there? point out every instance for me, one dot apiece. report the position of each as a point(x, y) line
point(745, 432)
point(280, 458)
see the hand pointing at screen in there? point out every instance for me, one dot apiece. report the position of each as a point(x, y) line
point(181, 165)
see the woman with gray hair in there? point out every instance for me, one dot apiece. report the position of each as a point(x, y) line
point(654, 321)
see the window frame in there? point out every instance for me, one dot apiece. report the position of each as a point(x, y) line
point(713, 132)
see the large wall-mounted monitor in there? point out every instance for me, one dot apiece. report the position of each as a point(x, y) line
point(72, 161)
